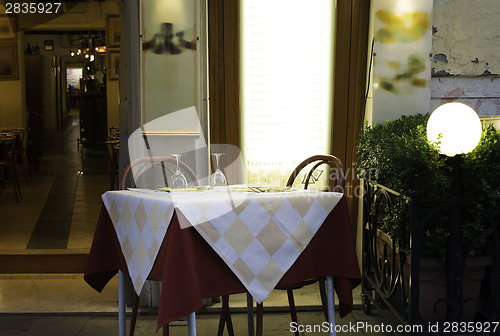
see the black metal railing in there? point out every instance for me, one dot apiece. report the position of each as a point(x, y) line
point(391, 263)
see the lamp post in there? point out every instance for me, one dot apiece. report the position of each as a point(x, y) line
point(456, 129)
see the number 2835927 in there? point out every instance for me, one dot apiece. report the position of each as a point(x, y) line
point(32, 7)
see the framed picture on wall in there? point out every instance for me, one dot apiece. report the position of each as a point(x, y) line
point(8, 60)
point(113, 71)
point(7, 27)
point(113, 32)
point(49, 45)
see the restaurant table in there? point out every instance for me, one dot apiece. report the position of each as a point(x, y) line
point(207, 244)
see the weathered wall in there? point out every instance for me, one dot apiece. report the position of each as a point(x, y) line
point(466, 37)
point(466, 54)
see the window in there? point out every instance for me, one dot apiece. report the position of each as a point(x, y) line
point(286, 69)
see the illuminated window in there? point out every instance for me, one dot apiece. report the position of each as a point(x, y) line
point(286, 84)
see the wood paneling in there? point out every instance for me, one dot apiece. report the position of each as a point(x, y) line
point(223, 56)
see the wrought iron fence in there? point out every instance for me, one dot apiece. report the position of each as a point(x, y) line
point(392, 263)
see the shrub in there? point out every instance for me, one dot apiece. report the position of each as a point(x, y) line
point(405, 161)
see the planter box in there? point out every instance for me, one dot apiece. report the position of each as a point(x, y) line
point(432, 280)
point(433, 288)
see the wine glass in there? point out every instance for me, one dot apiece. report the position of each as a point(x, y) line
point(178, 181)
point(218, 178)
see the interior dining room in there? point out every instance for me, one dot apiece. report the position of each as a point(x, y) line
point(115, 112)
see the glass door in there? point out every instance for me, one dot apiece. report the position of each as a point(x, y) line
point(173, 70)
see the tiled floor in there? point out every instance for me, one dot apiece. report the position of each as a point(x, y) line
point(63, 304)
point(60, 160)
point(276, 324)
point(86, 209)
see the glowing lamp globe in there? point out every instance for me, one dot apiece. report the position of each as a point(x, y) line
point(456, 127)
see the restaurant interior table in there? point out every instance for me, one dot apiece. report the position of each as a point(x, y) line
point(206, 243)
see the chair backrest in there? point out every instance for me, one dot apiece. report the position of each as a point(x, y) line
point(21, 144)
point(8, 145)
point(113, 133)
point(165, 164)
point(336, 178)
point(110, 149)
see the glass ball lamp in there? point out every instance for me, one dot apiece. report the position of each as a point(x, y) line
point(456, 127)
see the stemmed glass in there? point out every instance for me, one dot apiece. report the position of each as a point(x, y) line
point(178, 181)
point(218, 178)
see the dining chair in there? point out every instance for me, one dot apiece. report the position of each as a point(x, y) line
point(149, 165)
point(306, 174)
point(20, 150)
point(7, 162)
point(113, 168)
point(140, 167)
point(113, 133)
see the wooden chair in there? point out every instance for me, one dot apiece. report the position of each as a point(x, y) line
point(309, 173)
point(113, 133)
point(336, 182)
point(113, 168)
point(20, 150)
point(8, 145)
point(167, 165)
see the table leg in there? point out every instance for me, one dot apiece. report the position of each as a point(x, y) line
point(191, 319)
point(331, 305)
point(250, 314)
point(121, 304)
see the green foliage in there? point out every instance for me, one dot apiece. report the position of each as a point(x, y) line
point(403, 157)
point(481, 182)
point(399, 156)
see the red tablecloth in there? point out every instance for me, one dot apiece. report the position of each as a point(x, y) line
point(191, 270)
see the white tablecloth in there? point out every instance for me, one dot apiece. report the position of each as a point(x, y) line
point(258, 235)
